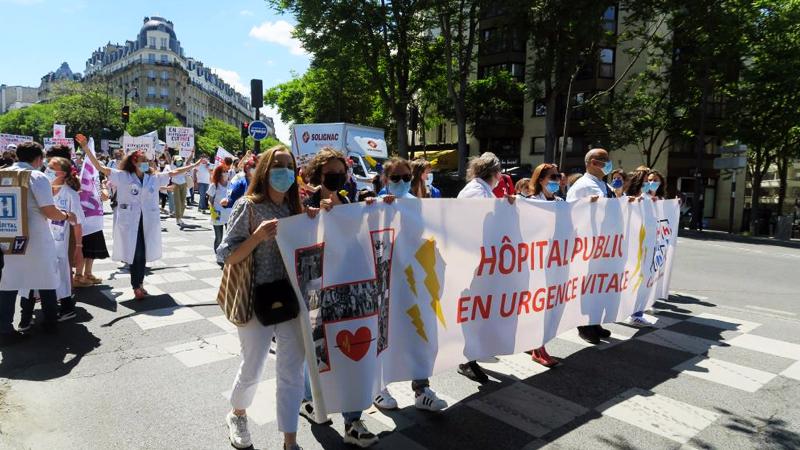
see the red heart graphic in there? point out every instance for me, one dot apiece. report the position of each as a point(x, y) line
point(354, 346)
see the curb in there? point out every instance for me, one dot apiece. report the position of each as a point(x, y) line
point(722, 236)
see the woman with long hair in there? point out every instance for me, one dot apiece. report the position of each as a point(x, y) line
point(272, 194)
point(137, 228)
point(422, 179)
point(544, 185)
point(65, 185)
point(616, 180)
point(217, 191)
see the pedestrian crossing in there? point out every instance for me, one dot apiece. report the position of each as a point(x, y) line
point(703, 344)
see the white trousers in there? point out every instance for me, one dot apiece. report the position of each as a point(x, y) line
point(255, 340)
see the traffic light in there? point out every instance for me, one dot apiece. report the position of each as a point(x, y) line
point(245, 127)
point(126, 113)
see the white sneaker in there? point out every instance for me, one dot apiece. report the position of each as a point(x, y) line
point(307, 411)
point(357, 434)
point(428, 401)
point(638, 322)
point(384, 400)
point(237, 431)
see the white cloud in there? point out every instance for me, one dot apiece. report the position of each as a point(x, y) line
point(245, 12)
point(235, 80)
point(280, 33)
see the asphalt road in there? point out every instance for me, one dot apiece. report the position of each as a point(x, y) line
point(720, 371)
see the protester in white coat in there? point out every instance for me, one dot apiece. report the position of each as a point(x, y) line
point(37, 268)
point(137, 229)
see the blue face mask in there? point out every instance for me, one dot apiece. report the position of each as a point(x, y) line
point(281, 179)
point(553, 186)
point(652, 186)
point(616, 183)
point(50, 174)
point(144, 167)
point(608, 167)
point(399, 189)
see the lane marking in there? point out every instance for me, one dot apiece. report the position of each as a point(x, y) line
point(774, 311)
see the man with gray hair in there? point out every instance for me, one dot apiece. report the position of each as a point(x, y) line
point(592, 185)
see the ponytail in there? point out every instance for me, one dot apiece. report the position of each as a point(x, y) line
point(71, 178)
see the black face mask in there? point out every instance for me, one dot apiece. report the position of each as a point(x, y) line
point(334, 181)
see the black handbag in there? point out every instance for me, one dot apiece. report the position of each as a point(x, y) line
point(275, 302)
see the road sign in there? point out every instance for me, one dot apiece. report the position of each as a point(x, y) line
point(258, 130)
point(738, 162)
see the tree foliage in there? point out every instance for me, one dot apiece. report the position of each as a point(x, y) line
point(35, 120)
point(498, 95)
point(145, 120)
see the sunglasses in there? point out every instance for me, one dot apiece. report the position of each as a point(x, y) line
point(397, 178)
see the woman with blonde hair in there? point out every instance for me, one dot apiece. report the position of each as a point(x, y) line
point(272, 194)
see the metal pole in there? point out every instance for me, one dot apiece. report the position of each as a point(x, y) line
point(256, 144)
point(733, 201)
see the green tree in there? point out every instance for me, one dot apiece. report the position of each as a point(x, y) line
point(767, 98)
point(392, 38)
point(145, 120)
point(87, 108)
point(494, 96)
point(216, 133)
point(35, 120)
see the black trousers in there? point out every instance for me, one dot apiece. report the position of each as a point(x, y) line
point(139, 258)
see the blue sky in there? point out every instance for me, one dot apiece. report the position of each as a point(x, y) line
point(243, 39)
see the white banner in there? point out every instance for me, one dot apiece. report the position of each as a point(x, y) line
point(90, 195)
point(15, 139)
point(50, 142)
point(59, 131)
point(430, 284)
point(221, 155)
point(182, 139)
point(145, 143)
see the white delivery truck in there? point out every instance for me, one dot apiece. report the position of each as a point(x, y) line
point(359, 143)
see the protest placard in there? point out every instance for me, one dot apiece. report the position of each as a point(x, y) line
point(145, 143)
point(59, 131)
point(49, 142)
point(221, 155)
point(12, 139)
point(181, 138)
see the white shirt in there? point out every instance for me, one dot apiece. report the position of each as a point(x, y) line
point(217, 193)
point(587, 186)
point(541, 197)
point(177, 179)
point(203, 174)
point(37, 268)
point(477, 188)
point(70, 201)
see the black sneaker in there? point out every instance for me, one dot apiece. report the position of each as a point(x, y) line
point(589, 334)
point(357, 434)
point(25, 323)
point(602, 332)
point(473, 371)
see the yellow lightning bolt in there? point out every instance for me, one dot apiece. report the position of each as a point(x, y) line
point(412, 283)
point(640, 258)
point(426, 255)
point(416, 319)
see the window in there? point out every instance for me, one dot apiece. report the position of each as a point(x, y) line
point(164, 92)
point(151, 58)
point(164, 75)
point(539, 108)
point(610, 19)
point(164, 43)
point(151, 91)
point(164, 59)
point(537, 145)
point(151, 74)
point(518, 71)
point(151, 42)
point(606, 63)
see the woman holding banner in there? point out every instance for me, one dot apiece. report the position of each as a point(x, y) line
point(273, 194)
point(484, 174)
point(544, 185)
point(137, 228)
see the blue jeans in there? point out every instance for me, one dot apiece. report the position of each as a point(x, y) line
point(8, 300)
point(202, 190)
point(349, 417)
point(171, 202)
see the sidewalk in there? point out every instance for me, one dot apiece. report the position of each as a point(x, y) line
point(714, 235)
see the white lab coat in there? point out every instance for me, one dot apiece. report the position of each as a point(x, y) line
point(66, 200)
point(137, 199)
point(37, 268)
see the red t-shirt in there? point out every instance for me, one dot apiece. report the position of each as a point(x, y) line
point(504, 187)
